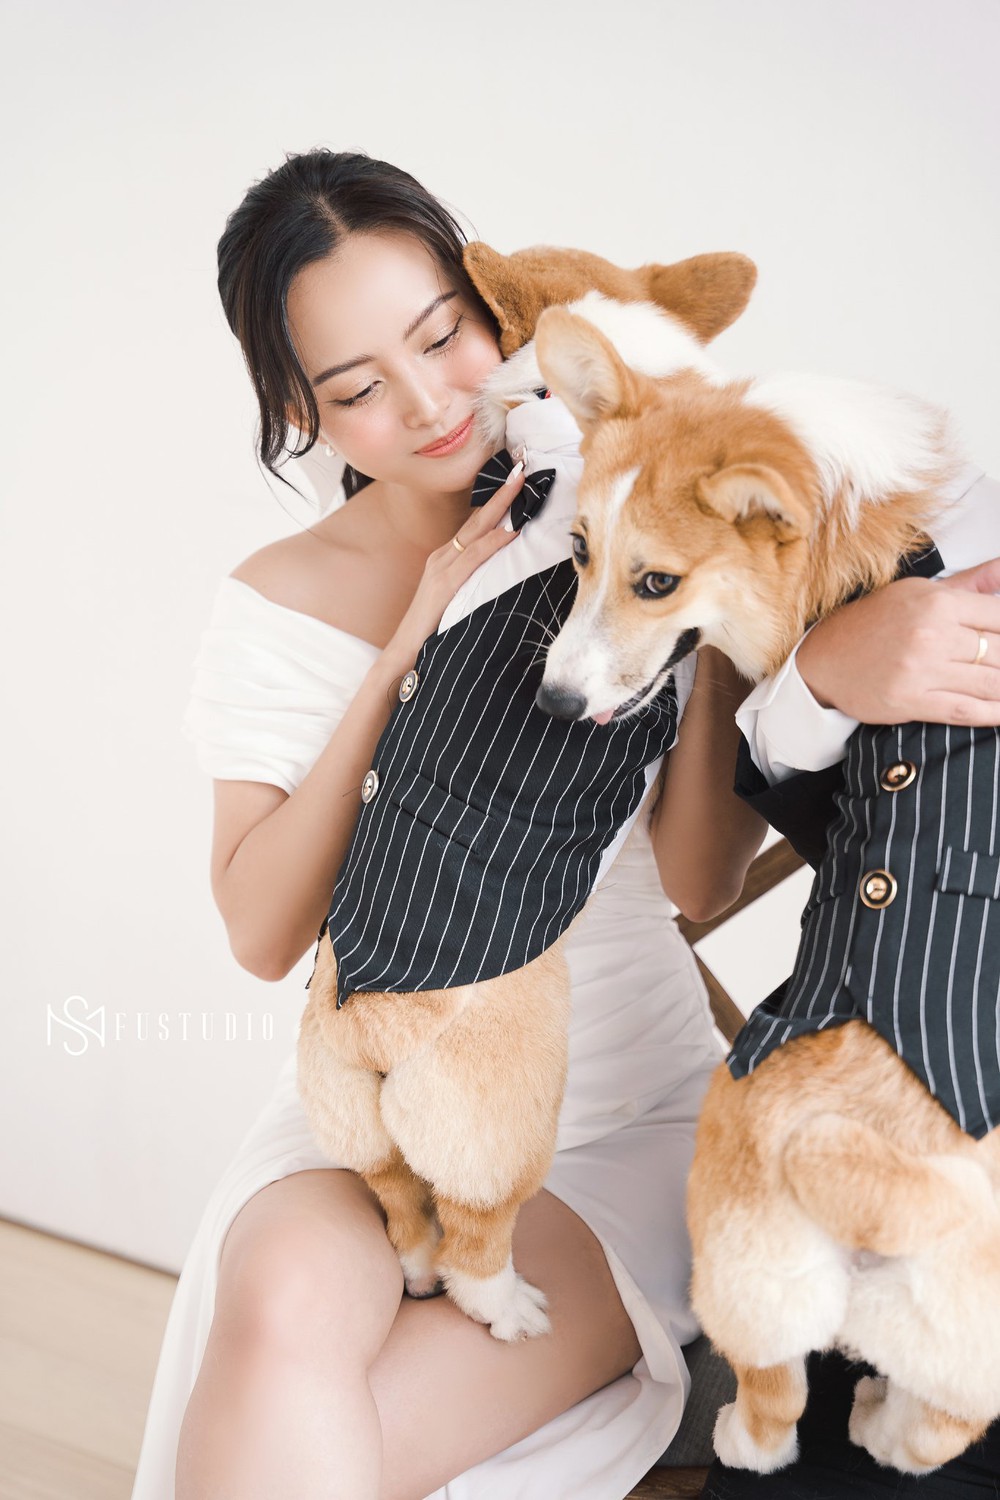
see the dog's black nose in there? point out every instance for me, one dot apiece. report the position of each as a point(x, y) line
point(560, 703)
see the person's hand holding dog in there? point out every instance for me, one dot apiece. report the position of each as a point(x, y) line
point(912, 650)
point(450, 565)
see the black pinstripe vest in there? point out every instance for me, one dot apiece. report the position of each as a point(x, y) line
point(485, 828)
point(902, 927)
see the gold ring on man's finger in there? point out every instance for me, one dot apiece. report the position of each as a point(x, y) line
point(458, 545)
point(981, 651)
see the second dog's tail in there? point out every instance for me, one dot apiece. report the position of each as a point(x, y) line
point(870, 1195)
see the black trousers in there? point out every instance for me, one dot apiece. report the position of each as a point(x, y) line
point(830, 1467)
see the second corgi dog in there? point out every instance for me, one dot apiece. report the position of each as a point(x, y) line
point(834, 1200)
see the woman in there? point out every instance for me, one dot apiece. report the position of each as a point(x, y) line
point(292, 1363)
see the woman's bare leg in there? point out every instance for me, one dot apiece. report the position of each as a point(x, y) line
point(308, 1289)
point(319, 1380)
point(450, 1395)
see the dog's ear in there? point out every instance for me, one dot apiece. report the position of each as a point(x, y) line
point(707, 292)
point(583, 368)
point(745, 492)
point(508, 291)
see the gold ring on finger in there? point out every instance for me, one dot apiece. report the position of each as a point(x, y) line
point(981, 652)
point(459, 548)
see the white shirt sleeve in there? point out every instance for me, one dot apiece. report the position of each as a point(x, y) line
point(270, 687)
point(787, 730)
point(784, 726)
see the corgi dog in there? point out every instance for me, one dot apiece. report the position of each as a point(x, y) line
point(446, 1101)
point(833, 1200)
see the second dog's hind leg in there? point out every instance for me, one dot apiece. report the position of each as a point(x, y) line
point(903, 1432)
point(758, 1430)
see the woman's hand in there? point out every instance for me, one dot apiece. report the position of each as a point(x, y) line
point(447, 568)
point(908, 651)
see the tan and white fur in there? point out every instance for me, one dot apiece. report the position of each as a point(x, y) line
point(832, 1201)
point(447, 1102)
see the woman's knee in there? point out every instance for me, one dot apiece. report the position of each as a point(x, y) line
point(306, 1267)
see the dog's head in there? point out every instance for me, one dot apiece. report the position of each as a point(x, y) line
point(694, 517)
point(707, 292)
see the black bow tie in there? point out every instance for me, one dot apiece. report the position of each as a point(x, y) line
point(530, 497)
point(923, 564)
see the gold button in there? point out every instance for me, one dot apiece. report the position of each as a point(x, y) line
point(895, 777)
point(878, 889)
point(408, 687)
point(369, 786)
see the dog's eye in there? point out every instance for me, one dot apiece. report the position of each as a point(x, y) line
point(580, 552)
point(657, 585)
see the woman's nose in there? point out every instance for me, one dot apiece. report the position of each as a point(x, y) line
point(425, 401)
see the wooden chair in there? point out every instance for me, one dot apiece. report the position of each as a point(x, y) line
point(686, 1480)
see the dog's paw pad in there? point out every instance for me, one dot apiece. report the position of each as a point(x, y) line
point(737, 1449)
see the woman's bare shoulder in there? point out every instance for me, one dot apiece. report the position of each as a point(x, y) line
point(314, 572)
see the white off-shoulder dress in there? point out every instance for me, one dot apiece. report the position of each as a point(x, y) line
point(270, 686)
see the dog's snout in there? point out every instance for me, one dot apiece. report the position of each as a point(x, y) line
point(560, 702)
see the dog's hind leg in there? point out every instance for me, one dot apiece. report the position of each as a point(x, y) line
point(476, 1265)
point(411, 1222)
point(475, 1114)
point(342, 1103)
point(758, 1430)
point(903, 1432)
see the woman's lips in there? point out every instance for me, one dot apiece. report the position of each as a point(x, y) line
point(448, 443)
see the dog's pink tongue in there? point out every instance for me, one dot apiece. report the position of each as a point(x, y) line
point(604, 717)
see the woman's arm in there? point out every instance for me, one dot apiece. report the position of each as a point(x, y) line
point(275, 857)
point(703, 835)
point(905, 652)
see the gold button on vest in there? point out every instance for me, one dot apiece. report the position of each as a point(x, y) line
point(878, 889)
point(894, 778)
point(408, 686)
point(369, 786)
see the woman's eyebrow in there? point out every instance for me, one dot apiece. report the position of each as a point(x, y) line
point(364, 359)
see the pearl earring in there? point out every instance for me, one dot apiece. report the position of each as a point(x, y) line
point(330, 452)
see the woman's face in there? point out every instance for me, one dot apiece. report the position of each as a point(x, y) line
point(395, 355)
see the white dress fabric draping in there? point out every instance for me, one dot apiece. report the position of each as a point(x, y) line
point(270, 686)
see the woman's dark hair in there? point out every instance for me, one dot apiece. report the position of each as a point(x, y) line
point(299, 214)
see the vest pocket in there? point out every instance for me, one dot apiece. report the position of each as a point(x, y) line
point(968, 872)
point(434, 807)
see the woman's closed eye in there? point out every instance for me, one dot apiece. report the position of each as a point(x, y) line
point(440, 346)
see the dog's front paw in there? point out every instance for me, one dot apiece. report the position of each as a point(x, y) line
point(738, 1450)
point(511, 1306)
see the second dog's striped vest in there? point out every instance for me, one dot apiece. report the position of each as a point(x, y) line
point(902, 927)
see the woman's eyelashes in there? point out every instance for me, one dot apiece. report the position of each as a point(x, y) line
point(438, 347)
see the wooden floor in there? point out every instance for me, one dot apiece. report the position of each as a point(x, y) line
point(79, 1335)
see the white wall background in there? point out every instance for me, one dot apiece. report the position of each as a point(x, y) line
point(852, 148)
